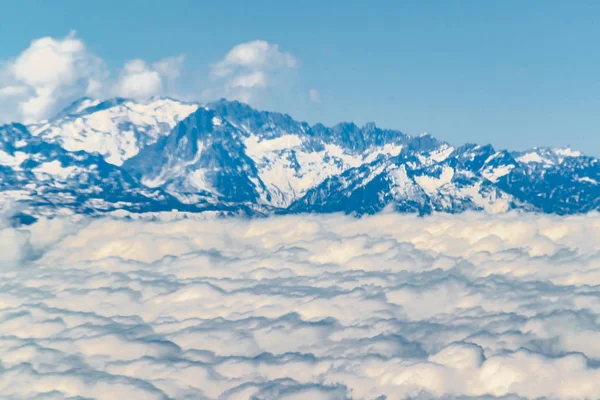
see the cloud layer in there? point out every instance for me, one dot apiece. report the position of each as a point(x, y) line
point(319, 307)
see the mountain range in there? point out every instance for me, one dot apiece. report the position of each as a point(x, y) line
point(128, 157)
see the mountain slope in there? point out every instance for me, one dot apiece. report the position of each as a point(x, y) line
point(201, 156)
point(46, 179)
point(117, 129)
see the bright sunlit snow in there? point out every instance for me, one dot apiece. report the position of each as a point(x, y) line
point(117, 132)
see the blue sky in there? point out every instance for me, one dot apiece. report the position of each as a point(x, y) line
point(512, 73)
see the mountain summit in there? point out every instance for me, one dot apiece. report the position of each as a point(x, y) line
point(228, 158)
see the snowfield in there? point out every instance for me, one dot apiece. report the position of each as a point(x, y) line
point(302, 307)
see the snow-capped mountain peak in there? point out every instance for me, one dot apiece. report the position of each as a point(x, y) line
point(548, 156)
point(117, 129)
point(226, 157)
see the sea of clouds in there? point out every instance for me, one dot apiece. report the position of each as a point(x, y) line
point(302, 307)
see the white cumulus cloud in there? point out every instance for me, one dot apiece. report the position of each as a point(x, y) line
point(295, 307)
point(314, 95)
point(138, 81)
point(54, 71)
point(170, 67)
point(248, 69)
point(49, 71)
point(255, 55)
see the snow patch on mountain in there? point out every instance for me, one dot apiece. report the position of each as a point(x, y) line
point(491, 202)
point(588, 180)
point(431, 183)
point(53, 169)
point(259, 149)
point(493, 174)
point(13, 161)
point(402, 185)
point(548, 156)
point(566, 152)
point(388, 149)
point(533, 157)
point(442, 153)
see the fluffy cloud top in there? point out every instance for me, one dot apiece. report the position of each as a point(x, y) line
point(255, 55)
point(314, 95)
point(249, 68)
point(138, 81)
point(170, 68)
point(320, 307)
point(51, 72)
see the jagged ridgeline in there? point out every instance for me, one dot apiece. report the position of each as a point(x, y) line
point(228, 158)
